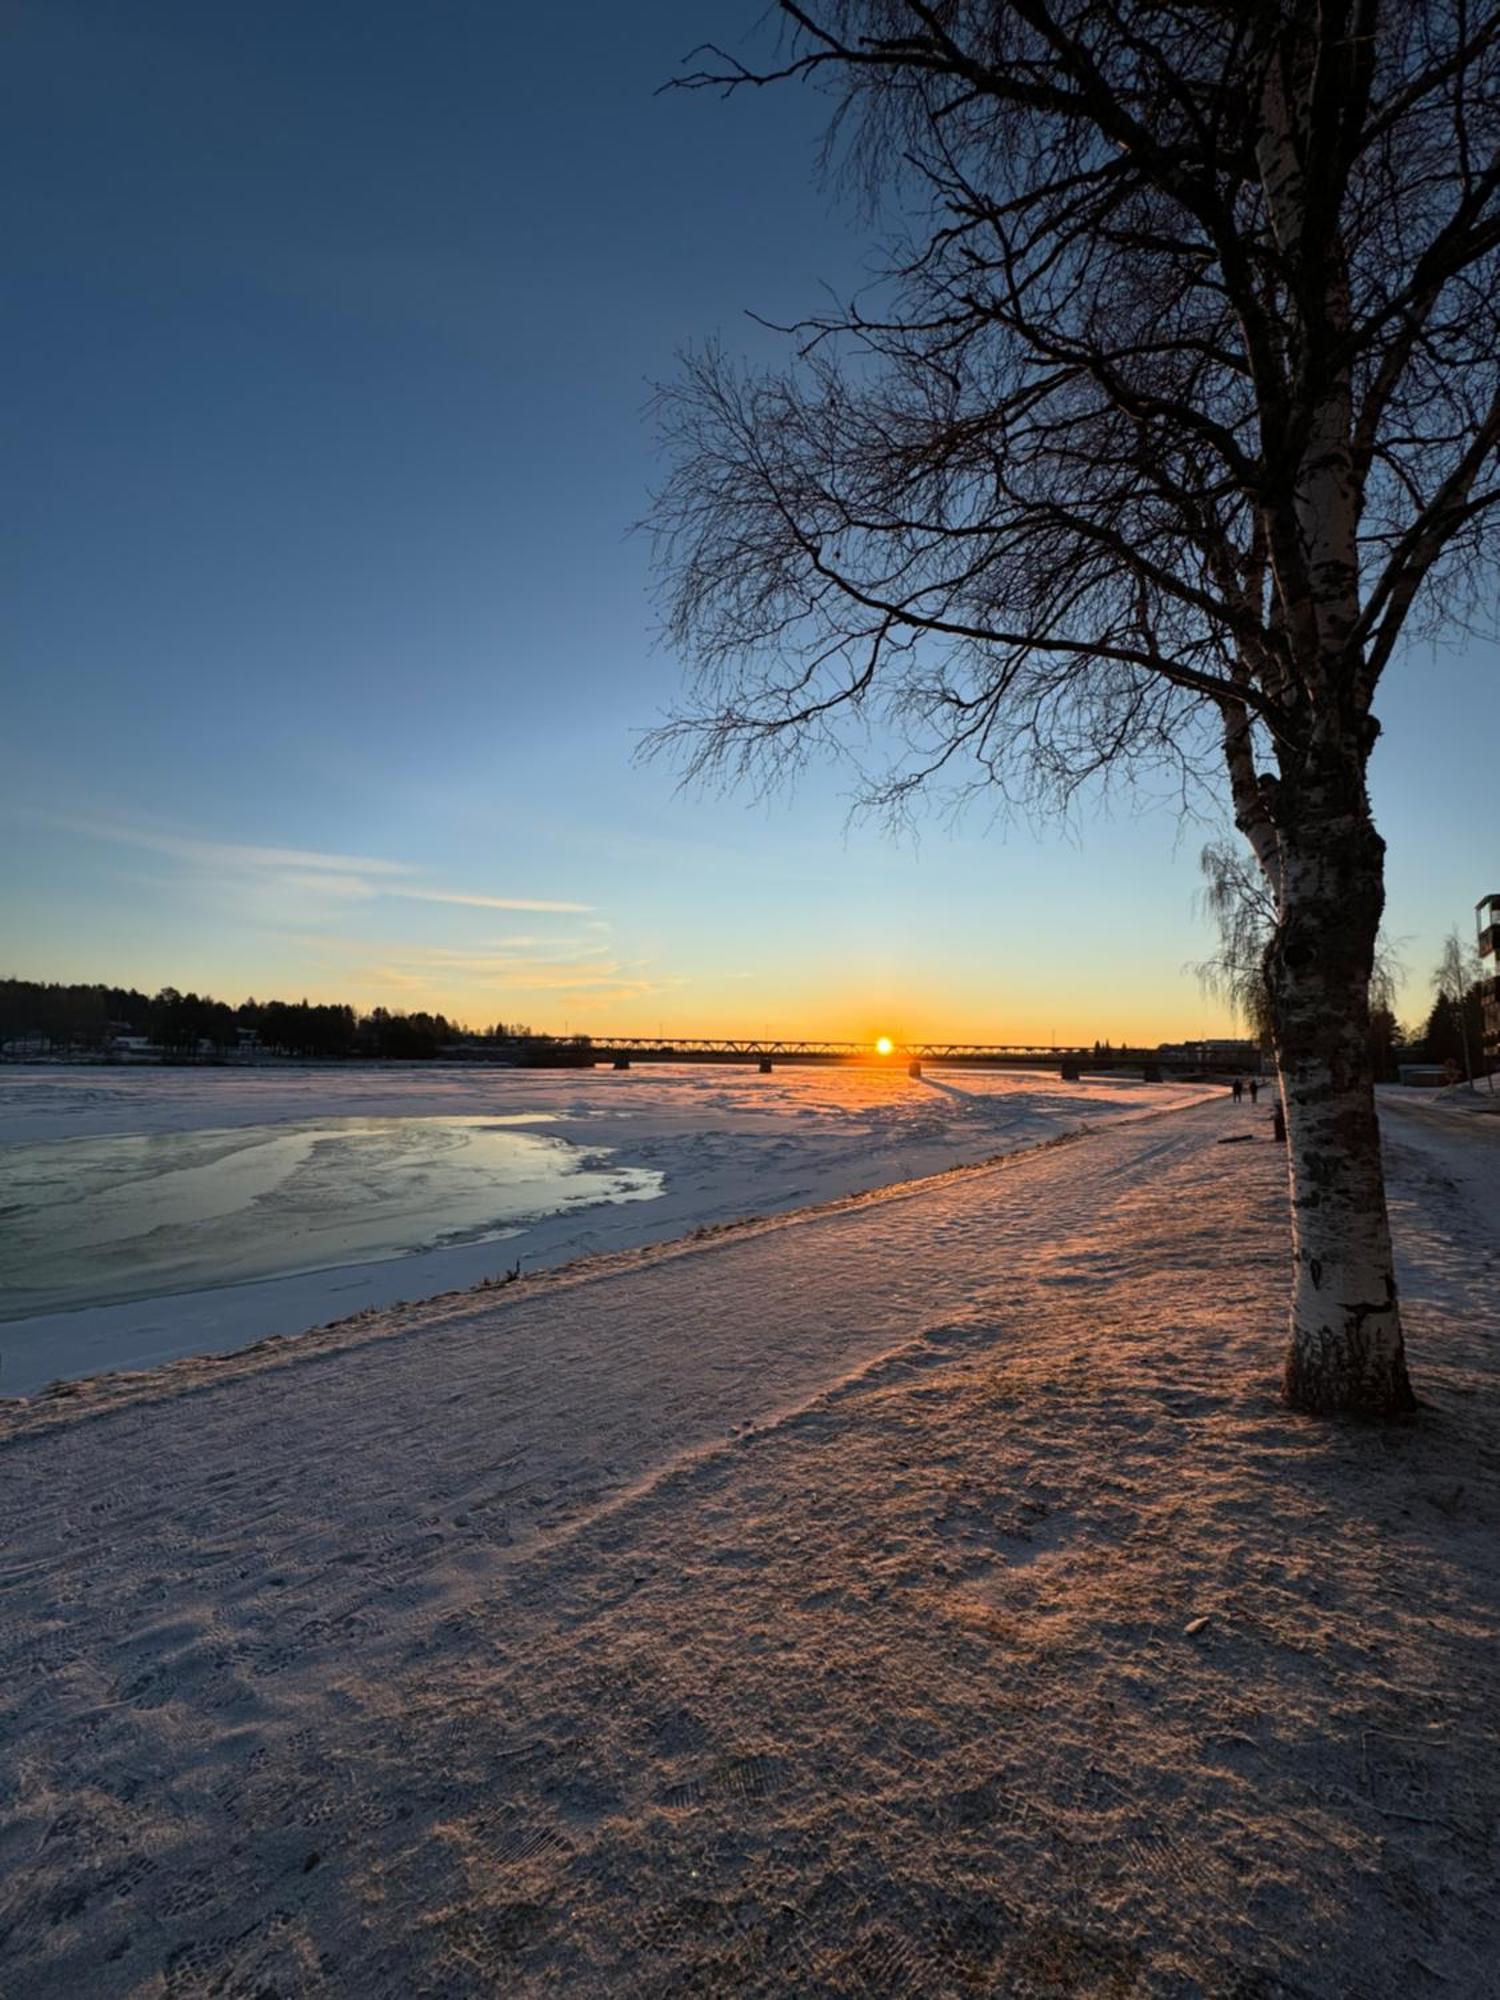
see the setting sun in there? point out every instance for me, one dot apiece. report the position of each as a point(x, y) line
point(884, 1046)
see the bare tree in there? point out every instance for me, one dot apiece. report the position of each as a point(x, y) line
point(1237, 898)
point(1177, 398)
point(1455, 972)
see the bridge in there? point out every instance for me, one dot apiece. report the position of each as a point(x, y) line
point(767, 1051)
point(779, 1048)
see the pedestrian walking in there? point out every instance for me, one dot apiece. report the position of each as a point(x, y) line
point(1254, 1088)
point(1238, 1089)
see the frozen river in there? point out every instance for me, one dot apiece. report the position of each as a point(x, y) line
point(150, 1213)
point(102, 1221)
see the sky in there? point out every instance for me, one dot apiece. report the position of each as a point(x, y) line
point(326, 641)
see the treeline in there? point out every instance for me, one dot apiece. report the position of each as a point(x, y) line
point(49, 1017)
point(1439, 1039)
point(37, 1016)
point(1452, 1034)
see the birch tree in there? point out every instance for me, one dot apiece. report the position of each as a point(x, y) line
point(1174, 408)
point(1457, 970)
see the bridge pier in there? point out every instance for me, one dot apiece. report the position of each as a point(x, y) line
point(766, 1065)
point(913, 1068)
point(1072, 1070)
point(622, 1062)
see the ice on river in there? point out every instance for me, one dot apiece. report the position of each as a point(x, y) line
point(151, 1213)
point(96, 1221)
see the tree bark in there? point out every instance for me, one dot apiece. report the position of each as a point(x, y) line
point(1345, 1354)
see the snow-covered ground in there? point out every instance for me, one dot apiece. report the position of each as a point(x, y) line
point(718, 1143)
point(922, 1595)
point(1457, 1100)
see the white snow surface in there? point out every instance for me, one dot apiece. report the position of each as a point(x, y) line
point(728, 1143)
point(925, 1594)
point(1456, 1100)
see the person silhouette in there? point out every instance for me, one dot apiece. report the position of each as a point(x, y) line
point(1254, 1088)
point(1237, 1089)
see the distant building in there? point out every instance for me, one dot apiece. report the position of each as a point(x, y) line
point(132, 1049)
point(1487, 921)
point(1230, 1052)
point(1424, 1076)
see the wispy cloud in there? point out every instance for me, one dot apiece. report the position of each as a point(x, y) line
point(537, 942)
point(601, 985)
point(563, 952)
point(303, 874)
point(497, 987)
point(585, 974)
point(489, 902)
point(390, 979)
point(309, 899)
point(318, 882)
point(230, 854)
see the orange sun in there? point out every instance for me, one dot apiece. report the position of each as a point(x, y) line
point(884, 1046)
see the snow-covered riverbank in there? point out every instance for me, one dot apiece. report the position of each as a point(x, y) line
point(719, 1144)
point(925, 1595)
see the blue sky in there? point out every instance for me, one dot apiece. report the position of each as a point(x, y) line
point(326, 643)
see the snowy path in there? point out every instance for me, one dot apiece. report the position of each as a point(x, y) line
point(801, 1609)
point(1475, 1136)
point(375, 1473)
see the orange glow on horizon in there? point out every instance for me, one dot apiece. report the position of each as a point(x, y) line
point(841, 1004)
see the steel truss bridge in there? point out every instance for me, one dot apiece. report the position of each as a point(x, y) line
point(624, 1050)
point(737, 1048)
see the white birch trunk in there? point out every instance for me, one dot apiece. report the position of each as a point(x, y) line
point(1345, 1353)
